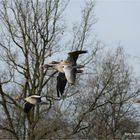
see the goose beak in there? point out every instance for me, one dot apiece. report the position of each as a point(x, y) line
point(17, 98)
point(54, 62)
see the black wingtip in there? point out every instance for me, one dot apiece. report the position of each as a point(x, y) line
point(78, 52)
point(58, 93)
point(84, 51)
point(61, 83)
point(27, 107)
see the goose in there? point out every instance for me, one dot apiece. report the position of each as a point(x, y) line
point(136, 100)
point(67, 70)
point(31, 101)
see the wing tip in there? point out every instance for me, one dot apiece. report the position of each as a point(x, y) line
point(78, 51)
point(84, 51)
point(27, 107)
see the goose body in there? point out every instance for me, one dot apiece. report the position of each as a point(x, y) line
point(136, 100)
point(70, 73)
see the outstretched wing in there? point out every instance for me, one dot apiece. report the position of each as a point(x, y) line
point(73, 56)
point(27, 107)
point(61, 83)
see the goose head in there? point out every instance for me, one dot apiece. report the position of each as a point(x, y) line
point(18, 98)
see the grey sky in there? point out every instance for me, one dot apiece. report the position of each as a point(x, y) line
point(118, 22)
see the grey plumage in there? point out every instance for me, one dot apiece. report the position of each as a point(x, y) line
point(73, 56)
point(28, 107)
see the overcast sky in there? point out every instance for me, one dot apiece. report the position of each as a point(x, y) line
point(118, 22)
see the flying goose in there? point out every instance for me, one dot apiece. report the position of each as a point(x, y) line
point(67, 70)
point(31, 101)
point(136, 100)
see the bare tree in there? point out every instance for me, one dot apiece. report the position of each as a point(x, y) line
point(104, 105)
point(31, 31)
point(98, 106)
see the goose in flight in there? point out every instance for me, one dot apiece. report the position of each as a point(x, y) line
point(136, 100)
point(67, 70)
point(31, 101)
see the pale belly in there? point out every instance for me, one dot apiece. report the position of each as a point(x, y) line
point(70, 75)
point(59, 68)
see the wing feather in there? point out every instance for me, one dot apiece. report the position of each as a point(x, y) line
point(73, 56)
point(61, 83)
point(27, 107)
